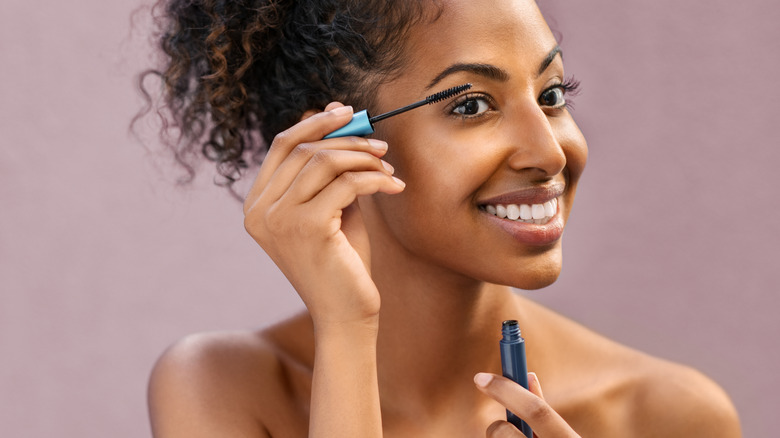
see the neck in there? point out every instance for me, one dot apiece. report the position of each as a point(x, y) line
point(436, 330)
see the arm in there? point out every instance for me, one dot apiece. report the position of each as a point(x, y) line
point(345, 392)
point(302, 211)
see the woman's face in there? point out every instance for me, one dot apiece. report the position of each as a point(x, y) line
point(506, 147)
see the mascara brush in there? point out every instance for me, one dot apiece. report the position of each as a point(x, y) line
point(363, 124)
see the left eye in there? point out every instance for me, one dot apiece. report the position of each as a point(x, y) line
point(553, 97)
point(471, 106)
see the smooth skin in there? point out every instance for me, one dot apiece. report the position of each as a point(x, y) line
point(404, 273)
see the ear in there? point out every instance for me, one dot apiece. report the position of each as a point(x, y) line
point(308, 113)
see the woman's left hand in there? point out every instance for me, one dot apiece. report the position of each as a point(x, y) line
point(528, 404)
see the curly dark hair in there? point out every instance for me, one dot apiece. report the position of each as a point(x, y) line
point(238, 72)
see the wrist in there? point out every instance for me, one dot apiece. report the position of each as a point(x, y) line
point(355, 330)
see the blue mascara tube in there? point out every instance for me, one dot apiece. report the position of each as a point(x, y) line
point(513, 366)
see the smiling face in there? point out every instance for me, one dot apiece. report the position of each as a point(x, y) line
point(490, 174)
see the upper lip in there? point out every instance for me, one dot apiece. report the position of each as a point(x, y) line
point(530, 195)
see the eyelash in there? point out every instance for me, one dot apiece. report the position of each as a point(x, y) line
point(466, 98)
point(570, 87)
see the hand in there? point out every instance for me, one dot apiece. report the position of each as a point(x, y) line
point(527, 404)
point(302, 211)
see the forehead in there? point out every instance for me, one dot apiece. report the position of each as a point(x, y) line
point(511, 34)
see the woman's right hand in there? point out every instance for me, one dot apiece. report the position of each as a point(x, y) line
point(302, 211)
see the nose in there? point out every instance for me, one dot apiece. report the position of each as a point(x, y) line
point(535, 145)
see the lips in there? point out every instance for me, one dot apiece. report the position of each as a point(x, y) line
point(530, 215)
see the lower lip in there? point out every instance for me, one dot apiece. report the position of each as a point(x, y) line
point(532, 234)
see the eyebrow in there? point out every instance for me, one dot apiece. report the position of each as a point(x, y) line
point(490, 71)
point(549, 59)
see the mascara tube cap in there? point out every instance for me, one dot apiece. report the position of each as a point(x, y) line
point(359, 126)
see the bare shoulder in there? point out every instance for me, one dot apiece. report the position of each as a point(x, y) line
point(675, 400)
point(603, 388)
point(232, 384)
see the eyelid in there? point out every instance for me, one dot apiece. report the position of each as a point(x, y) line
point(469, 96)
point(466, 97)
point(570, 87)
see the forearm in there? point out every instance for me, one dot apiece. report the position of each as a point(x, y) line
point(345, 392)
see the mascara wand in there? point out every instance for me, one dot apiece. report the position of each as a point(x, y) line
point(363, 124)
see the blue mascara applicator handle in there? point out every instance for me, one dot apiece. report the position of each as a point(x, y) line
point(359, 126)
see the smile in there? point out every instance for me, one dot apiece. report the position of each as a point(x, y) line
point(539, 214)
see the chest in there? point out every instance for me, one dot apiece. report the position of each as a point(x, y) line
point(291, 419)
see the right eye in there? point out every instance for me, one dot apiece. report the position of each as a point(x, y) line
point(471, 106)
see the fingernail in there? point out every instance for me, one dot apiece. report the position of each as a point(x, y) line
point(483, 379)
point(340, 111)
point(388, 166)
point(399, 182)
point(377, 144)
point(534, 385)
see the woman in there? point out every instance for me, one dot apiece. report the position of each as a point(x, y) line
point(403, 245)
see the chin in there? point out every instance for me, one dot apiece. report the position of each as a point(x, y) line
point(537, 281)
point(538, 275)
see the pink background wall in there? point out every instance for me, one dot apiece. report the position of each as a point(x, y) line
point(672, 247)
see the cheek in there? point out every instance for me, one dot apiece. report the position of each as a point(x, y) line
point(441, 180)
point(574, 147)
point(446, 168)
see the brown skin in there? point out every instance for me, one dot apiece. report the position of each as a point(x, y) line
point(437, 259)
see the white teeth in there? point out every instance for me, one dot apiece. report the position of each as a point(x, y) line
point(534, 214)
point(549, 210)
point(512, 212)
point(537, 210)
point(525, 212)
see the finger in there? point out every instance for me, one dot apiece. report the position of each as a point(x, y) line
point(327, 165)
point(316, 217)
point(333, 105)
point(315, 153)
point(534, 386)
point(530, 407)
point(311, 129)
point(343, 191)
point(503, 429)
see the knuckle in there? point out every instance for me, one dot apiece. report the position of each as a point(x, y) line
point(273, 220)
point(282, 139)
point(349, 178)
point(303, 150)
point(322, 158)
point(253, 227)
point(247, 208)
point(357, 142)
point(539, 410)
point(249, 225)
